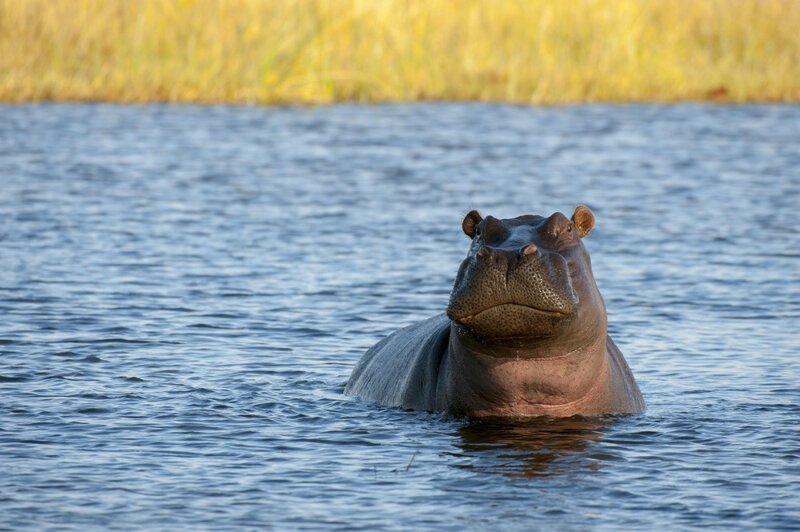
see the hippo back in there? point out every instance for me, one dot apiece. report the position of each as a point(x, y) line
point(627, 398)
point(403, 369)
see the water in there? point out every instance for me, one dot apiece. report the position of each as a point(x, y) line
point(184, 291)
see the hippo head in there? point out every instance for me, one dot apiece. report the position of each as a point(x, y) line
point(527, 280)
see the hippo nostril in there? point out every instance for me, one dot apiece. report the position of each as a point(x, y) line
point(530, 249)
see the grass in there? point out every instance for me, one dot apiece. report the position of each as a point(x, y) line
point(318, 51)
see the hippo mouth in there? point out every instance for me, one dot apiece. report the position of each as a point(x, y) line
point(503, 308)
point(513, 320)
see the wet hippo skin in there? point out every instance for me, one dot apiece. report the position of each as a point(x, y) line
point(525, 332)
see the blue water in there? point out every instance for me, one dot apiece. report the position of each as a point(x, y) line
point(184, 291)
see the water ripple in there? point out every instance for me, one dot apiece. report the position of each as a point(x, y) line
point(184, 291)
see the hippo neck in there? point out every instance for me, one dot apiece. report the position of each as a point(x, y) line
point(503, 381)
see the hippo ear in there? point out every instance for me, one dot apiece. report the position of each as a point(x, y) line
point(470, 223)
point(583, 218)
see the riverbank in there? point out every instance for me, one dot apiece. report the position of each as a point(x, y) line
point(314, 51)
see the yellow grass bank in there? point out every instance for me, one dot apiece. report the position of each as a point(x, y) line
point(316, 51)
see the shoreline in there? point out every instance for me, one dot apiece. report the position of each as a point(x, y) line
point(381, 103)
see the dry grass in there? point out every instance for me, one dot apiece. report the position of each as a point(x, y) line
point(319, 51)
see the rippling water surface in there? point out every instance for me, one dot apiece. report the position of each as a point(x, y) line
point(184, 291)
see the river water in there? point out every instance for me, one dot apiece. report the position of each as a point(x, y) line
point(184, 291)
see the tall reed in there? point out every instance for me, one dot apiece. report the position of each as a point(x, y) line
point(277, 51)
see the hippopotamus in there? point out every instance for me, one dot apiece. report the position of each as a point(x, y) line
point(525, 332)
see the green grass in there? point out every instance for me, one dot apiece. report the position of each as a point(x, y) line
point(317, 51)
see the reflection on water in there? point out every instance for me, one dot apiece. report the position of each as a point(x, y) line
point(532, 448)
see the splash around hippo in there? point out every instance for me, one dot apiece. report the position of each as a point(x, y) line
point(525, 333)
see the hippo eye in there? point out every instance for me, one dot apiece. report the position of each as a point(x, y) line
point(565, 235)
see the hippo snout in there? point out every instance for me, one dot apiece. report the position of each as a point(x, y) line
point(518, 292)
